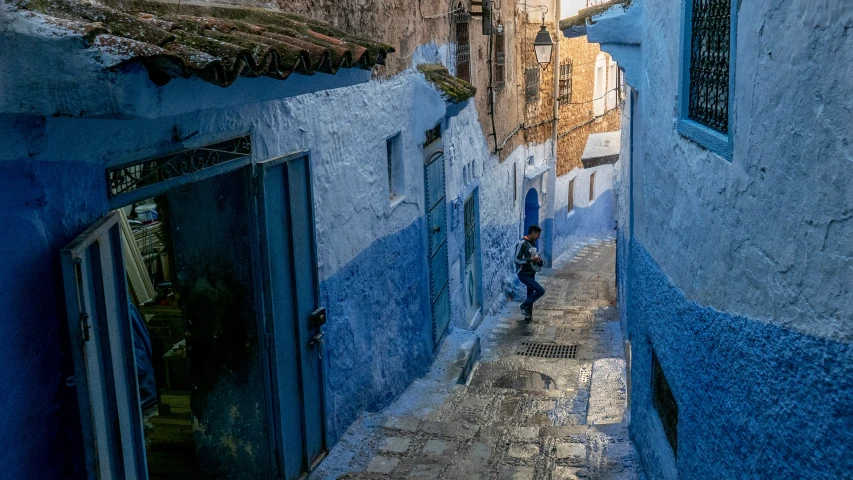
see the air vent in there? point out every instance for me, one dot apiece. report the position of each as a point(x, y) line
point(547, 350)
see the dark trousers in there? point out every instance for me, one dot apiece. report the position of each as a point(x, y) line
point(534, 290)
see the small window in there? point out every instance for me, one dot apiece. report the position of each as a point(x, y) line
point(566, 82)
point(571, 195)
point(463, 44)
point(599, 87)
point(393, 150)
point(665, 404)
point(500, 57)
point(592, 187)
point(612, 83)
point(531, 82)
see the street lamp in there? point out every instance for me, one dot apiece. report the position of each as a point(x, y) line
point(542, 45)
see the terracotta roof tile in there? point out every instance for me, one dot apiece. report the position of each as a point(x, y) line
point(216, 44)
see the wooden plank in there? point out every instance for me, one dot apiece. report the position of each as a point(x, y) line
point(141, 287)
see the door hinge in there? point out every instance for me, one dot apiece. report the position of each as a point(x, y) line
point(267, 341)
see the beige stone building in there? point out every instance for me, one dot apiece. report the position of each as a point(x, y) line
point(501, 63)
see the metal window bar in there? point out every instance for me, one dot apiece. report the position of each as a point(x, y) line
point(710, 25)
point(133, 176)
point(566, 82)
point(500, 60)
point(463, 45)
point(469, 230)
point(531, 81)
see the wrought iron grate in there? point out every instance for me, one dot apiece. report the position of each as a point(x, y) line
point(709, 63)
point(547, 350)
point(129, 177)
point(463, 45)
point(500, 60)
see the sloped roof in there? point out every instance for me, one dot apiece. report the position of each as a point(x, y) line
point(216, 44)
point(454, 89)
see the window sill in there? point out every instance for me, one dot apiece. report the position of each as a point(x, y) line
point(718, 143)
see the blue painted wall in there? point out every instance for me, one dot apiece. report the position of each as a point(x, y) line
point(755, 400)
point(593, 221)
point(380, 335)
point(40, 416)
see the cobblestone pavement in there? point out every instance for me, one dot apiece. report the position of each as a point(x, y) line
point(547, 400)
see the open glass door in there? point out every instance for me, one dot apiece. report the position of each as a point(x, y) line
point(102, 346)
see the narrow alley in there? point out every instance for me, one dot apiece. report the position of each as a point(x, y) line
point(547, 399)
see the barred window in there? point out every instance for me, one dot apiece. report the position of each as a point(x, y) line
point(463, 45)
point(566, 82)
point(500, 59)
point(531, 82)
point(710, 28)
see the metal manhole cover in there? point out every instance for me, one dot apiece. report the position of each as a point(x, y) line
point(547, 350)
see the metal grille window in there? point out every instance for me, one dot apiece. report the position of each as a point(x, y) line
point(710, 28)
point(500, 60)
point(463, 45)
point(531, 82)
point(470, 231)
point(566, 82)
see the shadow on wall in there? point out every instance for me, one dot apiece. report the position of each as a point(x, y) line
point(752, 397)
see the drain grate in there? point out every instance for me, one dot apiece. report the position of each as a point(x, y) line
point(547, 350)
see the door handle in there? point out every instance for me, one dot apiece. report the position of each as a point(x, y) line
point(317, 339)
point(436, 229)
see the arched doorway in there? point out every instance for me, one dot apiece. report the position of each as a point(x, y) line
point(531, 209)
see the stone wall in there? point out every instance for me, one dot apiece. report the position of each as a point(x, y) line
point(577, 120)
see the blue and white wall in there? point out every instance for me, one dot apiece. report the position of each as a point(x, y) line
point(594, 218)
point(738, 273)
point(372, 255)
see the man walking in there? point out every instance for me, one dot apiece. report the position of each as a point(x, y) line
point(527, 260)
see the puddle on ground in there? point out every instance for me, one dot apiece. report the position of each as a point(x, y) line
point(525, 380)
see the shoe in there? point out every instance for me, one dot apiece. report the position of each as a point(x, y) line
point(528, 318)
point(524, 310)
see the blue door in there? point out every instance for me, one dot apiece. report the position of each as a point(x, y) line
point(531, 209)
point(289, 265)
point(437, 235)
